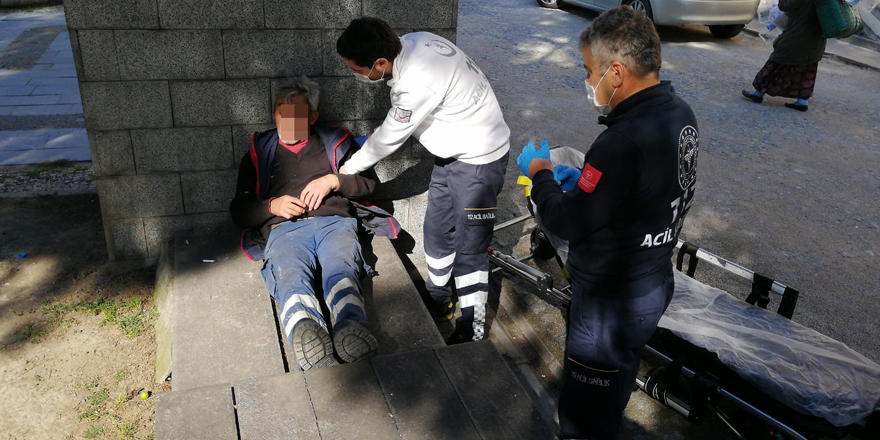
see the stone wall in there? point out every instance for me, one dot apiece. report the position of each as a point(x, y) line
point(172, 89)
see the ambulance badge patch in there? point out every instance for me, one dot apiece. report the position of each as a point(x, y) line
point(401, 115)
point(589, 179)
point(688, 147)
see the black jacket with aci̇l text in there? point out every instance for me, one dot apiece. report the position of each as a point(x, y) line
point(623, 218)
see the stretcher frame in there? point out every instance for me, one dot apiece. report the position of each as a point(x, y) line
point(704, 387)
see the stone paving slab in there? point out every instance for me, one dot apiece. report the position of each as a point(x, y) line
point(38, 86)
point(491, 393)
point(424, 403)
point(224, 327)
point(275, 407)
point(398, 317)
point(349, 403)
point(204, 413)
point(53, 109)
point(19, 147)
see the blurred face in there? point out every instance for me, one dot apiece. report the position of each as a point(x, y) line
point(293, 118)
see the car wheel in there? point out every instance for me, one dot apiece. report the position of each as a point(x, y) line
point(726, 30)
point(642, 5)
point(551, 4)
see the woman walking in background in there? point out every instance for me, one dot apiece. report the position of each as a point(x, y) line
point(791, 70)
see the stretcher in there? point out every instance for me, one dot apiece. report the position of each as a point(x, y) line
point(762, 375)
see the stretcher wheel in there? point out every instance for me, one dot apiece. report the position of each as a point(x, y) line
point(540, 247)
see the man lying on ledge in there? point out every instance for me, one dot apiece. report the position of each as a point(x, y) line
point(299, 214)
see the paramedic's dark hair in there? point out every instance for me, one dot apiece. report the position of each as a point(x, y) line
point(366, 40)
point(624, 35)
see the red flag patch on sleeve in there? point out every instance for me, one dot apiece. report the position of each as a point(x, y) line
point(589, 179)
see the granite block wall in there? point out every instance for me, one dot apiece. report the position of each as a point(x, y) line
point(172, 90)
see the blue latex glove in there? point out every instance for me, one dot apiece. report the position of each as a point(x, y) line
point(567, 177)
point(361, 140)
point(530, 153)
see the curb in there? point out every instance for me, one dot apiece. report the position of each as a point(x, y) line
point(828, 55)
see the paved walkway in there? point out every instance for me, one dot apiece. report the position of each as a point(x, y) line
point(41, 116)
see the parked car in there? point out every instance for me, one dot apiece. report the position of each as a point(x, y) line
point(725, 18)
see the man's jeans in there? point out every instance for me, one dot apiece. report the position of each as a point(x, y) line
point(295, 253)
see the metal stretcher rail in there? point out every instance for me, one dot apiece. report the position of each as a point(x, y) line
point(683, 408)
point(777, 287)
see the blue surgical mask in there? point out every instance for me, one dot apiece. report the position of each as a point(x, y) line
point(366, 78)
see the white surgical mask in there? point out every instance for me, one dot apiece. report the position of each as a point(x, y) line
point(366, 78)
point(603, 109)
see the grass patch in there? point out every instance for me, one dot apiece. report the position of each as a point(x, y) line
point(95, 405)
point(93, 432)
point(127, 430)
point(31, 332)
point(129, 316)
point(121, 375)
point(121, 398)
point(34, 173)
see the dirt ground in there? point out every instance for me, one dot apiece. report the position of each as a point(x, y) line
point(77, 344)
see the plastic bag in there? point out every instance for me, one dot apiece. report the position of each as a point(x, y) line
point(800, 367)
point(779, 18)
point(775, 21)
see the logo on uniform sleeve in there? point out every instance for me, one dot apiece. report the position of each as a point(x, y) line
point(589, 179)
point(401, 115)
point(688, 147)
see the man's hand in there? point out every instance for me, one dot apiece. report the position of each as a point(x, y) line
point(343, 170)
point(287, 207)
point(313, 194)
point(567, 177)
point(530, 153)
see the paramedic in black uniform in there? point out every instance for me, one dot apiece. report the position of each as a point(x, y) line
point(622, 214)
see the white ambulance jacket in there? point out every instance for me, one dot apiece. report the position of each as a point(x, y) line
point(440, 96)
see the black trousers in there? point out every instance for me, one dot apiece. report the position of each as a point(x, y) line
point(607, 330)
point(458, 227)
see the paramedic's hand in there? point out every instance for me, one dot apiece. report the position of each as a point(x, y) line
point(287, 207)
point(567, 177)
point(530, 153)
point(343, 170)
point(313, 194)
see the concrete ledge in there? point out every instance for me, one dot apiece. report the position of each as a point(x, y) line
point(162, 300)
point(496, 402)
point(223, 324)
point(205, 413)
point(398, 317)
point(275, 407)
point(349, 403)
point(424, 403)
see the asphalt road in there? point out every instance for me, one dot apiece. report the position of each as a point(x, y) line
point(794, 196)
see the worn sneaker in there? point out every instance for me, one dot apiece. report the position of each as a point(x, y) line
point(312, 345)
point(443, 314)
point(353, 341)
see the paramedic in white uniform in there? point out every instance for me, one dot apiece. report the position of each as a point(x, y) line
point(440, 96)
